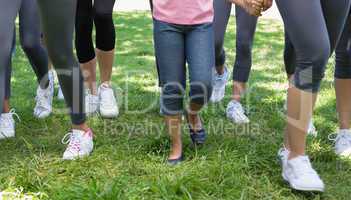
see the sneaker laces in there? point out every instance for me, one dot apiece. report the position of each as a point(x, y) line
point(72, 140)
point(304, 167)
point(107, 96)
point(235, 109)
point(7, 120)
point(340, 138)
point(42, 96)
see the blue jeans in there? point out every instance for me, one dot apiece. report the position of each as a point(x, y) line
point(176, 45)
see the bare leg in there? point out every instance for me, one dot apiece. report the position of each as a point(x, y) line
point(343, 102)
point(194, 118)
point(300, 106)
point(105, 59)
point(89, 74)
point(174, 130)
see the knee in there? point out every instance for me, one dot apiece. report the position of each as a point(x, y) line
point(244, 48)
point(105, 31)
point(172, 98)
point(311, 66)
point(201, 91)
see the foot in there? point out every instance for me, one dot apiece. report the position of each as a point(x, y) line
point(219, 82)
point(176, 161)
point(300, 175)
point(236, 113)
point(80, 144)
point(108, 103)
point(342, 142)
point(283, 154)
point(7, 125)
point(60, 94)
point(43, 107)
point(91, 103)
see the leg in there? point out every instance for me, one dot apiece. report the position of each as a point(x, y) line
point(105, 37)
point(222, 10)
point(8, 13)
point(84, 43)
point(169, 51)
point(58, 30)
point(8, 75)
point(200, 56)
point(246, 28)
point(30, 38)
point(343, 77)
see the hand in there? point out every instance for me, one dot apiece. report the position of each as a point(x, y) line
point(253, 7)
point(267, 4)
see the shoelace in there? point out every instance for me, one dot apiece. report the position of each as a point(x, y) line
point(107, 97)
point(6, 121)
point(73, 140)
point(41, 98)
point(236, 111)
point(305, 167)
point(345, 138)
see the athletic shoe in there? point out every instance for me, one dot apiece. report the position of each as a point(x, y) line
point(60, 94)
point(43, 107)
point(219, 82)
point(283, 155)
point(80, 144)
point(7, 124)
point(311, 128)
point(108, 103)
point(300, 175)
point(91, 103)
point(342, 142)
point(236, 113)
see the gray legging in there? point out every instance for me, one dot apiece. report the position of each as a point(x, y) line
point(245, 31)
point(313, 28)
point(58, 19)
point(29, 26)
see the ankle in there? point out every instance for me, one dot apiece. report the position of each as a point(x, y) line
point(82, 127)
point(293, 155)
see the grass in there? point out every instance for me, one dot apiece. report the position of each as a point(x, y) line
point(238, 162)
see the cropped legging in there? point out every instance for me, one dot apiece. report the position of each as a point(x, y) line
point(88, 14)
point(58, 18)
point(245, 31)
point(29, 26)
point(313, 29)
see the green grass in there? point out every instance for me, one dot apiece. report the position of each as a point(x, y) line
point(238, 162)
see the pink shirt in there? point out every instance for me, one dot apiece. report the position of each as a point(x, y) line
point(183, 12)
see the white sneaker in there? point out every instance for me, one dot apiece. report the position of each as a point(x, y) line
point(80, 144)
point(60, 94)
point(236, 113)
point(342, 142)
point(283, 155)
point(91, 103)
point(312, 131)
point(7, 124)
point(108, 104)
point(298, 172)
point(219, 83)
point(43, 107)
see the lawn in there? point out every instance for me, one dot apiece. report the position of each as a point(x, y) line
point(238, 162)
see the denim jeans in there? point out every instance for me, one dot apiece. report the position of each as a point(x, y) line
point(176, 45)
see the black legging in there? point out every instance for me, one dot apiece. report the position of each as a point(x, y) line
point(245, 31)
point(99, 14)
point(313, 28)
point(30, 41)
point(58, 17)
point(343, 53)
